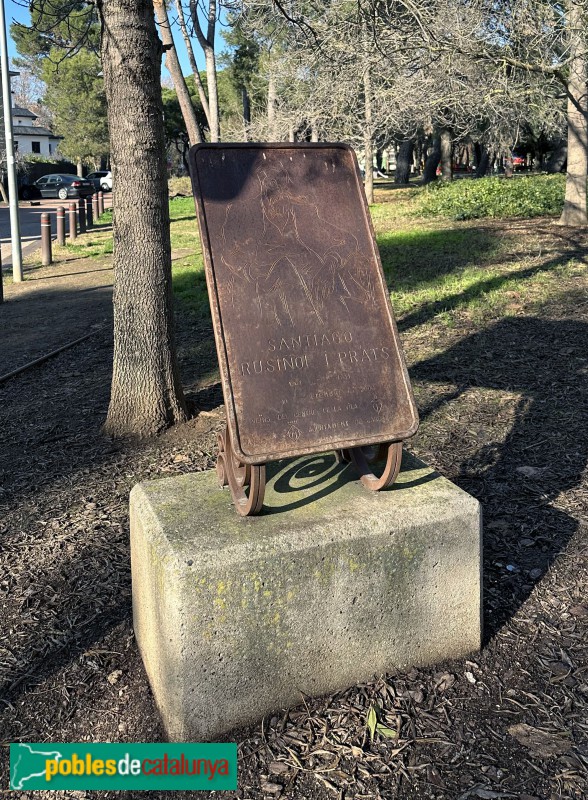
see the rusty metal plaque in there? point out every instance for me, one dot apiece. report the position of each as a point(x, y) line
point(306, 340)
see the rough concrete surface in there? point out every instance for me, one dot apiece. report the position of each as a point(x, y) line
point(236, 617)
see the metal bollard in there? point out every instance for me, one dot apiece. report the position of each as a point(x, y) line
point(95, 206)
point(82, 214)
point(89, 218)
point(73, 225)
point(46, 257)
point(61, 226)
point(100, 203)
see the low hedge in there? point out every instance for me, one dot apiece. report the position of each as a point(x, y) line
point(470, 198)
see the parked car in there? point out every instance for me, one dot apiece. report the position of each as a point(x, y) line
point(519, 160)
point(64, 186)
point(28, 191)
point(102, 180)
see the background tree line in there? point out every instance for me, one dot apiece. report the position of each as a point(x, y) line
point(430, 76)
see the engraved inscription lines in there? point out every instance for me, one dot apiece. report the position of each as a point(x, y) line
point(304, 350)
point(286, 263)
point(308, 348)
point(326, 410)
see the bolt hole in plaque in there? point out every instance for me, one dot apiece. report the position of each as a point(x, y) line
point(308, 349)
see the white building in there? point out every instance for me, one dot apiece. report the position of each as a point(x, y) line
point(29, 138)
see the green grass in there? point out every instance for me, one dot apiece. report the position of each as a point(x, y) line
point(95, 243)
point(93, 247)
point(435, 268)
point(184, 228)
point(188, 279)
point(189, 285)
point(432, 273)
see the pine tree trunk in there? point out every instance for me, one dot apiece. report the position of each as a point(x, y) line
point(146, 395)
point(446, 156)
point(404, 161)
point(574, 210)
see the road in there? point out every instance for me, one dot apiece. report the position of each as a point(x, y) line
point(30, 224)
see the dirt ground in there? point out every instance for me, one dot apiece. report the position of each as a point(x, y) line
point(504, 415)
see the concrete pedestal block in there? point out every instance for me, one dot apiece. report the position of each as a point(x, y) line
point(237, 617)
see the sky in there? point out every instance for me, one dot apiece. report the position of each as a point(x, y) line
point(15, 12)
point(19, 12)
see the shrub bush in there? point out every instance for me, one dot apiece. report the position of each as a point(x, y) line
point(529, 196)
point(180, 187)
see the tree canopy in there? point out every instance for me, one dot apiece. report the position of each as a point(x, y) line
point(424, 79)
point(60, 48)
point(75, 95)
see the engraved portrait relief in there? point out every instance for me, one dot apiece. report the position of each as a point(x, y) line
point(296, 258)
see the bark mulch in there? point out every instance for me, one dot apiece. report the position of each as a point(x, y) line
point(504, 415)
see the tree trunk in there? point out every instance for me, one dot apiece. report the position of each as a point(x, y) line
point(368, 144)
point(470, 155)
point(272, 101)
point(214, 113)
point(432, 162)
point(380, 160)
point(80, 168)
point(314, 130)
point(417, 156)
point(574, 210)
point(446, 153)
point(368, 147)
point(404, 161)
point(206, 42)
point(193, 66)
point(246, 113)
point(483, 162)
point(146, 394)
point(557, 159)
point(172, 64)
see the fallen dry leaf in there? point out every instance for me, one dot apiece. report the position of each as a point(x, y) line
point(114, 676)
point(541, 743)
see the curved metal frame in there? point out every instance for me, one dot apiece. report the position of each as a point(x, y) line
point(362, 457)
point(237, 476)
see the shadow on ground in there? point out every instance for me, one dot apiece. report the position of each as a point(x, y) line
point(65, 582)
point(519, 480)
